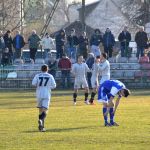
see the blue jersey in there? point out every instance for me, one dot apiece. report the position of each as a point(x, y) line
point(109, 88)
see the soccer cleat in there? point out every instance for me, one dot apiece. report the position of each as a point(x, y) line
point(43, 130)
point(74, 103)
point(114, 124)
point(107, 124)
point(40, 122)
point(86, 102)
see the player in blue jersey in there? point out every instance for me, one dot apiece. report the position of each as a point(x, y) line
point(107, 91)
point(43, 82)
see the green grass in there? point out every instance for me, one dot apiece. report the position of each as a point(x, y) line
point(73, 127)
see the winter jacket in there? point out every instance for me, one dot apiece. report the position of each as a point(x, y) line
point(2, 43)
point(90, 62)
point(72, 40)
point(96, 40)
point(60, 40)
point(34, 41)
point(47, 43)
point(64, 64)
point(124, 38)
point(108, 39)
point(21, 42)
point(141, 39)
point(83, 43)
point(8, 41)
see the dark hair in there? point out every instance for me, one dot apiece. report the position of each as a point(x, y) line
point(126, 92)
point(104, 55)
point(97, 57)
point(44, 68)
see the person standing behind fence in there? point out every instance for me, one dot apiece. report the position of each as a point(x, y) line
point(34, 41)
point(108, 42)
point(43, 82)
point(124, 39)
point(141, 40)
point(8, 43)
point(83, 45)
point(73, 44)
point(47, 44)
point(64, 65)
point(18, 44)
point(60, 40)
point(95, 41)
point(2, 45)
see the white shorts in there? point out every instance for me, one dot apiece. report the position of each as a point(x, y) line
point(80, 83)
point(104, 78)
point(43, 103)
point(94, 82)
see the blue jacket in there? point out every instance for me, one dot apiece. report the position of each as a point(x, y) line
point(95, 40)
point(108, 39)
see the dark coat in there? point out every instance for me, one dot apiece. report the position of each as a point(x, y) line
point(60, 40)
point(2, 43)
point(72, 40)
point(108, 39)
point(8, 42)
point(83, 43)
point(124, 38)
point(96, 39)
point(141, 39)
point(21, 42)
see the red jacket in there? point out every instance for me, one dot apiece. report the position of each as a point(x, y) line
point(64, 64)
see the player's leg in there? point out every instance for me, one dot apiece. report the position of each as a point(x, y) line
point(75, 96)
point(111, 114)
point(105, 114)
point(86, 94)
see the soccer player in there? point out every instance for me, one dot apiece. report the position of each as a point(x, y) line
point(44, 82)
point(79, 70)
point(104, 68)
point(94, 79)
point(107, 91)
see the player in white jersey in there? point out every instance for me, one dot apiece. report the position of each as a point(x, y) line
point(79, 70)
point(104, 68)
point(94, 79)
point(44, 82)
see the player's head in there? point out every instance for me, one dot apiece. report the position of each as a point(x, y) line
point(80, 59)
point(125, 92)
point(97, 59)
point(44, 68)
point(103, 56)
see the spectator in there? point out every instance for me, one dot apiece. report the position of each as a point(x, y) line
point(124, 39)
point(18, 44)
point(47, 44)
point(8, 43)
point(34, 41)
point(83, 45)
point(145, 58)
point(60, 43)
point(52, 64)
point(6, 57)
point(90, 62)
point(95, 41)
point(141, 40)
point(73, 43)
point(108, 42)
point(2, 45)
point(64, 65)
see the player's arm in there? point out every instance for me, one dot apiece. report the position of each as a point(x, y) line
point(73, 70)
point(102, 66)
point(53, 83)
point(110, 104)
point(117, 103)
point(35, 81)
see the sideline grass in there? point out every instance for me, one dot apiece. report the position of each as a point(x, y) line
point(73, 127)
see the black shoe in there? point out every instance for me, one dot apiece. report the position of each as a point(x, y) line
point(40, 122)
point(107, 124)
point(114, 124)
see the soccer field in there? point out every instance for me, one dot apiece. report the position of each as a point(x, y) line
point(71, 127)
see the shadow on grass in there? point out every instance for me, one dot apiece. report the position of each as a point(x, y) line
point(62, 129)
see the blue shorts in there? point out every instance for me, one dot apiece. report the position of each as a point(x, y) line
point(103, 95)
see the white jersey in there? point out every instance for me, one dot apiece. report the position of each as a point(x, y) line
point(44, 82)
point(104, 69)
point(95, 74)
point(80, 70)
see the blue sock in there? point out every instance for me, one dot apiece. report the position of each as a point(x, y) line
point(111, 115)
point(105, 117)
